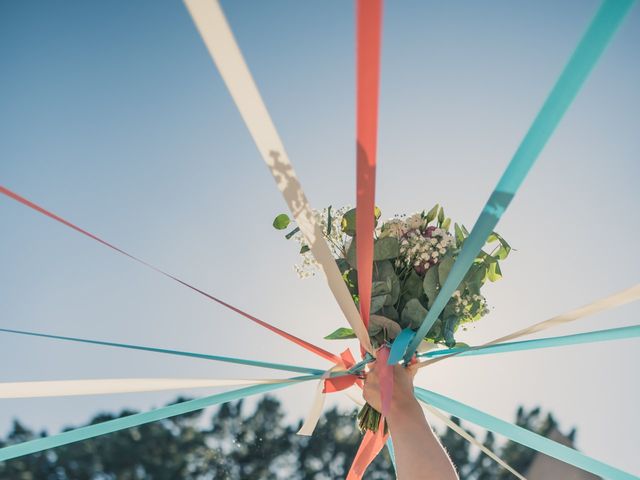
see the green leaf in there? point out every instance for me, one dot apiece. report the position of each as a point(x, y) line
point(494, 273)
point(441, 216)
point(281, 222)
point(340, 334)
point(464, 229)
point(348, 223)
point(378, 302)
point(304, 249)
point(413, 285)
point(329, 220)
point(459, 235)
point(292, 233)
point(444, 267)
point(433, 213)
point(461, 345)
point(343, 265)
point(505, 248)
point(351, 254)
point(446, 224)
point(384, 271)
point(450, 325)
point(386, 248)
point(430, 284)
point(380, 288)
point(390, 312)
point(413, 313)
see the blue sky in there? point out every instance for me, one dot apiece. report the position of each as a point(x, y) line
point(115, 117)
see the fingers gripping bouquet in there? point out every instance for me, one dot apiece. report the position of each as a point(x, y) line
point(412, 259)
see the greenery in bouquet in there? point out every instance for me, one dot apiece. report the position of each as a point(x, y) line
point(412, 259)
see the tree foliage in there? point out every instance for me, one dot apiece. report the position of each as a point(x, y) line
point(239, 444)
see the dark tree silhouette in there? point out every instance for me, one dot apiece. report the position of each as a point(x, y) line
point(235, 444)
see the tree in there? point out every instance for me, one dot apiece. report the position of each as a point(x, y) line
point(235, 444)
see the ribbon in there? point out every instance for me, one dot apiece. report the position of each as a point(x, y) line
point(562, 341)
point(584, 58)
point(312, 348)
point(369, 448)
point(469, 438)
point(386, 379)
point(313, 416)
point(67, 388)
point(90, 431)
point(369, 26)
point(456, 428)
point(221, 44)
point(399, 345)
point(617, 299)
point(217, 358)
point(522, 436)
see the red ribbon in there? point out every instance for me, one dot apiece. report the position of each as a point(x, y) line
point(369, 448)
point(369, 25)
point(312, 348)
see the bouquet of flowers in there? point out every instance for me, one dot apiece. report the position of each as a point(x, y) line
point(412, 258)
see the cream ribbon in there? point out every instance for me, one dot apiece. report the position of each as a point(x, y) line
point(312, 418)
point(464, 434)
point(218, 37)
point(617, 299)
point(356, 398)
point(66, 388)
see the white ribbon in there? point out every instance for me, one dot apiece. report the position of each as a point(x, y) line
point(218, 37)
point(66, 388)
point(311, 420)
point(625, 296)
point(358, 400)
point(464, 434)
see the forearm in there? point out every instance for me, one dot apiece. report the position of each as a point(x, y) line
point(419, 454)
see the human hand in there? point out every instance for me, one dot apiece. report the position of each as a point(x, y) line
point(402, 386)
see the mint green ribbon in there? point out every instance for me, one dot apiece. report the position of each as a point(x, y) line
point(522, 436)
point(584, 58)
point(562, 341)
point(90, 431)
point(217, 358)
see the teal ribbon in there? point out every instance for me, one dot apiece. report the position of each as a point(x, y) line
point(399, 346)
point(392, 454)
point(584, 58)
point(522, 436)
point(217, 358)
point(90, 431)
point(562, 341)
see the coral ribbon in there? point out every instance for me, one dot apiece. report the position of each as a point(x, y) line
point(369, 25)
point(309, 346)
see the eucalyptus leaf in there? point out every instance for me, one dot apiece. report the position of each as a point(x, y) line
point(450, 325)
point(413, 285)
point(444, 267)
point(304, 249)
point(384, 271)
point(348, 223)
point(351, 254)
point(378, 302)
point(386, 248)
point(430, 284)
point(281, 222)
point(340, 334)
point(380, 288)
point(390, 312)
point(413, 313)
point(391, 328)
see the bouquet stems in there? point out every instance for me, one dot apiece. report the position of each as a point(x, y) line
point(369, 419)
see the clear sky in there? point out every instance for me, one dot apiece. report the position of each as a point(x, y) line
point(114, 116)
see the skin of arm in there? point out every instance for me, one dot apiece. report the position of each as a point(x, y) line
point(419, 454)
